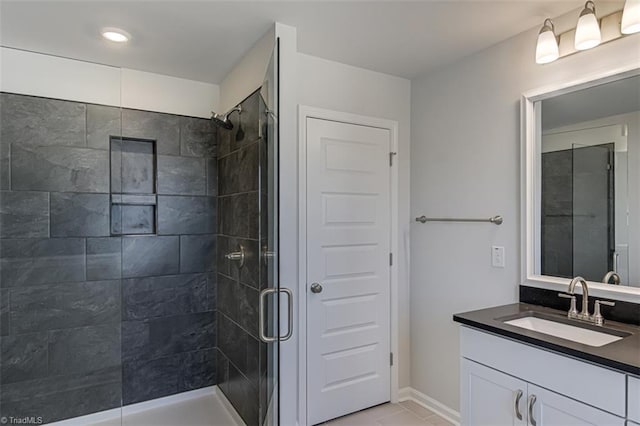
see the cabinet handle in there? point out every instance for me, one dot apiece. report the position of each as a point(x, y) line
point(516, 404)
point(532, 401)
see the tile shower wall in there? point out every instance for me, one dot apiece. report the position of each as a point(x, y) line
point(89, 321)
point(241, 354)
point(557, 214)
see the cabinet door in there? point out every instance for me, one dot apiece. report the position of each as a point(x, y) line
point(491, 398)
point(546, 408)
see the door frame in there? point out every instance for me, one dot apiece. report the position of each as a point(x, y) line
point(305, 112)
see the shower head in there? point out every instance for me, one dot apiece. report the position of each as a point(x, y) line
point(222, 120)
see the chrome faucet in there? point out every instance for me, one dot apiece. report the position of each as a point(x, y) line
point(584, 315)
point(597, 317)
point(611, 274)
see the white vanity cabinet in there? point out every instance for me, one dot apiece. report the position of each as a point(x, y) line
point(633, 396)
point(504, 382)
point(490, 397)
point(552, 409)
point(493, 398)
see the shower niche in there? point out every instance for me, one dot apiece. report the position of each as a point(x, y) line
point(134, 178)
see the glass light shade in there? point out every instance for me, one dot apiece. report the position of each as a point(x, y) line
point(587, 32)
point(547, 47)
point(631, 17)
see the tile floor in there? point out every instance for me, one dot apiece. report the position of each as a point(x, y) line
point(406, 413)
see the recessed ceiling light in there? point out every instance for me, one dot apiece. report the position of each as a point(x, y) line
point(116, 35)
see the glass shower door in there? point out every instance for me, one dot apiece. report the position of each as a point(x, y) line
point(271, 308)
point(593, 210)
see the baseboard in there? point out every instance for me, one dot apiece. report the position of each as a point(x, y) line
point(410, 394)
point(404, 394)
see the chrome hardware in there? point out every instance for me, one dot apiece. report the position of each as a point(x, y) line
point(584, 315)
point(496, 220)
point(262, 311)
point(573, 311)
point(316, 288)
point(516, 404)
point(598, 319)
point(270, 113)
point(614, 275)
point(266, 255)
point(532, 401)
point(237, 256)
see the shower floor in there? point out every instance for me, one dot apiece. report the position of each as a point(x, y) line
point(202, 407)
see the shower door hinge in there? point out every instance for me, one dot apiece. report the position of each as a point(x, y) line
point(390, 259)
point(391, 358)
point(391, 154)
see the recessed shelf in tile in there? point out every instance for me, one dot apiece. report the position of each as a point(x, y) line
point(133, 186)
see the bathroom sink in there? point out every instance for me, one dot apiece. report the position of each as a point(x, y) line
point(564, 329)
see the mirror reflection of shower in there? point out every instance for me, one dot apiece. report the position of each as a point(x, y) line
point(222, 120)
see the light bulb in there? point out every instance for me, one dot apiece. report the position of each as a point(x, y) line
point(547, 47)
point(588, 29)
point(116, 35)
point(631, 17)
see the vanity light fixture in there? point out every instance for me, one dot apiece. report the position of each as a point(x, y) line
point(631, 17)
point(547, 47)
point(116, 35)
point(588, 33)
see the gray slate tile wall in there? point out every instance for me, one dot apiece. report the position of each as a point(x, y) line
point(91, 321)
point(557, 214)
point(241, 355)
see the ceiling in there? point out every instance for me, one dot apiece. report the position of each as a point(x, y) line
point(203, 40)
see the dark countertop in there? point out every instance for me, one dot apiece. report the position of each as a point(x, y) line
point(623, 355)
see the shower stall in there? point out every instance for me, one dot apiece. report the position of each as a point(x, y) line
point(138, 263)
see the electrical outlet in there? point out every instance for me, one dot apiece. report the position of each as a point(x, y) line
point(497, 256)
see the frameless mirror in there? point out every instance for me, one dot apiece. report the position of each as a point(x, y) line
point(588, 160)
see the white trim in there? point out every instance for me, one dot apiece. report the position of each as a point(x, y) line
point(305, 112)
point(404, 394)
point(586, 81)
point(410, 394)
point(530, 185)
point(118, 413)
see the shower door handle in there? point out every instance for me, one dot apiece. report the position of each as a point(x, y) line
point(263, 311)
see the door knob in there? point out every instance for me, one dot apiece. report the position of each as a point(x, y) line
point(316, 288)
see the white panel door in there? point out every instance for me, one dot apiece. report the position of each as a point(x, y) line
point(348, 246)
point(551, 409)
point(491, 398)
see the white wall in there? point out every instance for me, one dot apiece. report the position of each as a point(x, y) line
point(61, 78)
point(465, 161)
point(248, 74)
point(335, 86)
